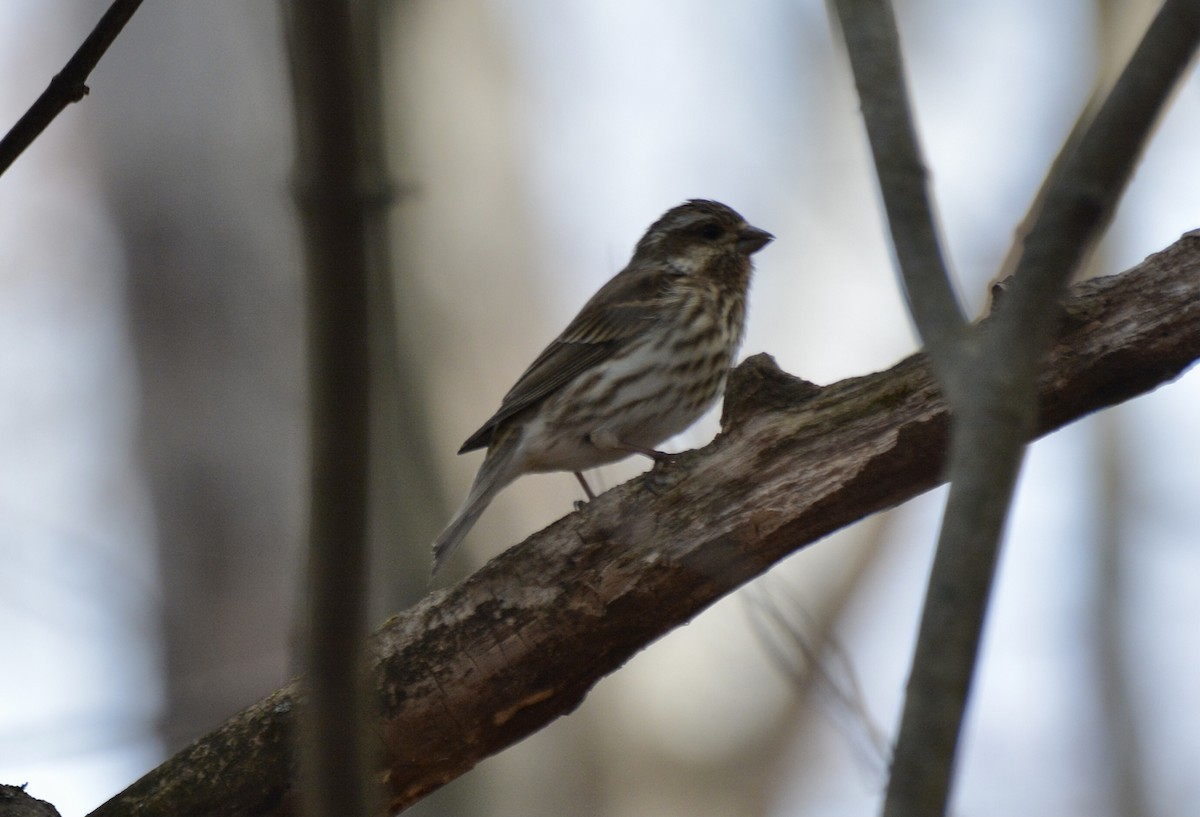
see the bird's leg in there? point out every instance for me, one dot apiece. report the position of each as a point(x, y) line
point(587, 489)
point(652, 453)
point(656, 456)
point(608, 442)
point(655, 478)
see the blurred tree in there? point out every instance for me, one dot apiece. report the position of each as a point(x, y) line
point(214, 298)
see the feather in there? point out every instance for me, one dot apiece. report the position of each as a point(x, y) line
point(618, 312)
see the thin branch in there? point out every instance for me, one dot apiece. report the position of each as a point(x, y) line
point(330, 148)
point(1081, 201)
point(1017, 248)
point(817, 662)
point(1121, 728)
point(69, 85)
point(997, 408)
point(473, 669)
point(873, 45)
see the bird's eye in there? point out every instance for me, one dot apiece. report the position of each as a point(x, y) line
point(711, 231)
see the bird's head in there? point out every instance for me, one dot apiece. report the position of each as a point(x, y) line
point(694, 236)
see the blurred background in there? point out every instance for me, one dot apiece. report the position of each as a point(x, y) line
point(152, 424)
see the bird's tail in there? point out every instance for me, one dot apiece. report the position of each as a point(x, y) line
point(499, 468)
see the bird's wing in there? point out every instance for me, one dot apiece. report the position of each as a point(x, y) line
point(619, 311)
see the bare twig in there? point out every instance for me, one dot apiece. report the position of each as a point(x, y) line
point(1082, 199)
point(69, 85)
point(1017, 248)
point(819, 662)
point(475, 668)
point(329, 160)
point(1121, 726)
point(873, 46)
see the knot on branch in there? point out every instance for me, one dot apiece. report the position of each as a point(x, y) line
point(758, 385)
point(73, 90)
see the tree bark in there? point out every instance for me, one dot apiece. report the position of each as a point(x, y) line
point(475, 668)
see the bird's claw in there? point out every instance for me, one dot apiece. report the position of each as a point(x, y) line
point(657, 480)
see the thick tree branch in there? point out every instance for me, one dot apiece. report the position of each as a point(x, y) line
point(68, 85)
point(477, 667)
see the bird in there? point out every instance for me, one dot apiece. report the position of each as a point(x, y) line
point(645, 357)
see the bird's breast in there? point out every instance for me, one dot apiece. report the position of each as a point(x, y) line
point(653, 388)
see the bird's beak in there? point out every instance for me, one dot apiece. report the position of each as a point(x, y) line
point(751, 239)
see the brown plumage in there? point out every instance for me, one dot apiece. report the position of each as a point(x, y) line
point(643, 359)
